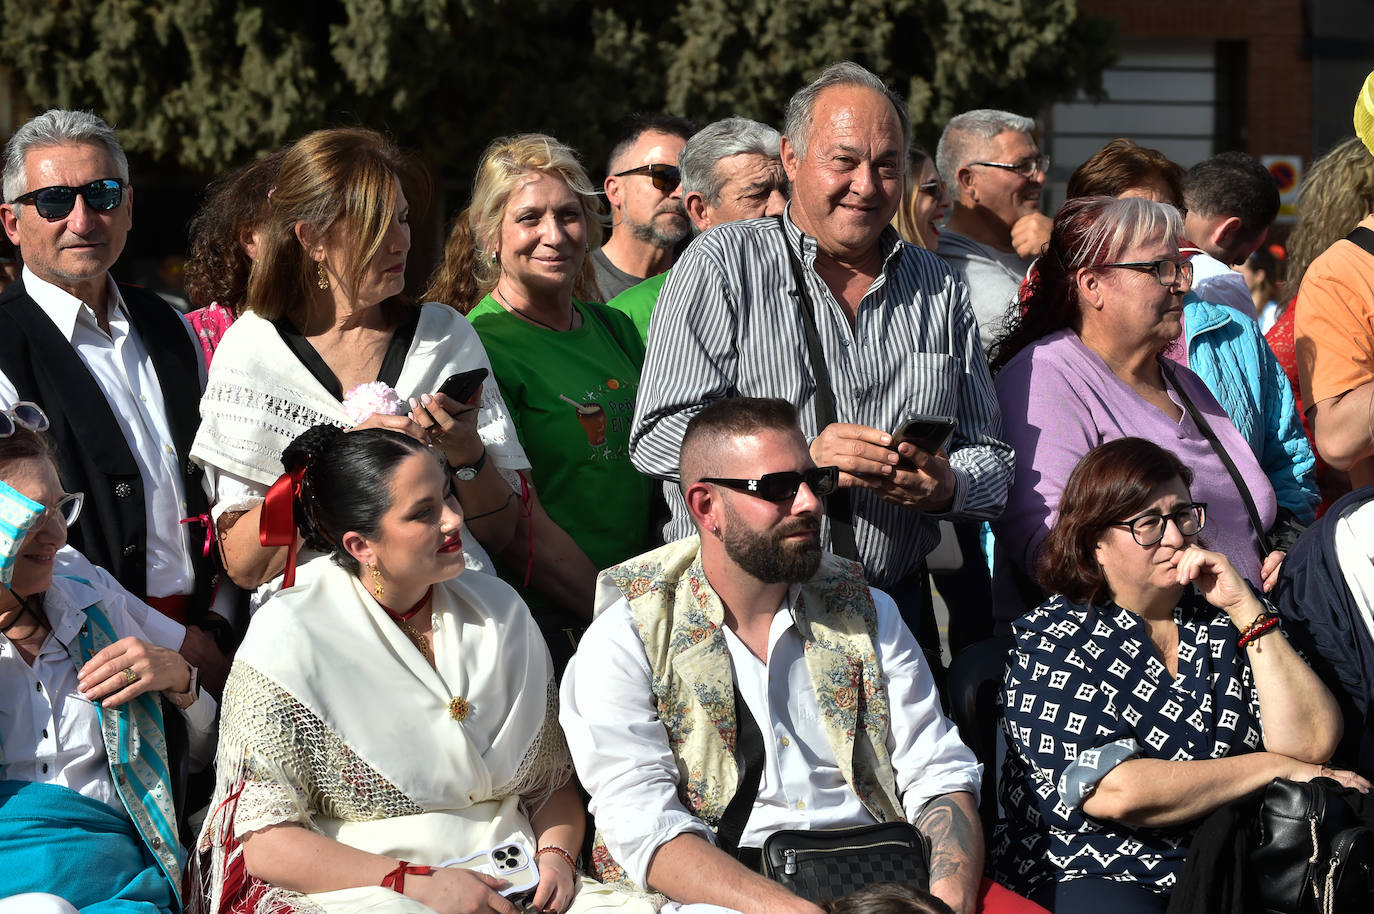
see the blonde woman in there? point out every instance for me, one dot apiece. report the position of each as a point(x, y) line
point(568, 368)
point(925, 201)
point(324, 314)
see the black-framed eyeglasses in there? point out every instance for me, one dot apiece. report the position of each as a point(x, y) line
point(932, 188)
point(1148, 529)
point(1167, 272)
point(56, 202)
point(785, 485)
point(665, 177)
point(1025, 168)
point(23, 414)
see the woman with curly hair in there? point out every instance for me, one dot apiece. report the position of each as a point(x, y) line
point(224, 242)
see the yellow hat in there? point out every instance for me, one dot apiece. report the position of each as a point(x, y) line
point(1364, 113)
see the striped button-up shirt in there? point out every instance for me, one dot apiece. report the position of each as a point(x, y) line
point(728, 323)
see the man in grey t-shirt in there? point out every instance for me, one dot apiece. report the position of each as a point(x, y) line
point(994, 171)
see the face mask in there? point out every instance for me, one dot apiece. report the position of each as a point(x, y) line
point(18, 514)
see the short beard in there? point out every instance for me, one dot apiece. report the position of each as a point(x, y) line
point(651, 234)
point(767, 555)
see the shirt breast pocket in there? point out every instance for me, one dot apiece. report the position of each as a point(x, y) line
point(928, 383)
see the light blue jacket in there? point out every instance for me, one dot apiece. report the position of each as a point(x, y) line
point(1227, 350)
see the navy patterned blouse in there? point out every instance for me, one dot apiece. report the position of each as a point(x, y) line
point(1085, 690)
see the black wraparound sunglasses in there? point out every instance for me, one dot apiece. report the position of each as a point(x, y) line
point(785, 485)
point(665, 177)
point(56, 202)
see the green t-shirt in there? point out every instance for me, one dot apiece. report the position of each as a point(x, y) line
point(579, 450)
point(637, 302)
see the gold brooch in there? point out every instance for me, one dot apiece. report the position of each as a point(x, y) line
point(458, 708)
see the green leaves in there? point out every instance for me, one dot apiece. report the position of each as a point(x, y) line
point(207, 83)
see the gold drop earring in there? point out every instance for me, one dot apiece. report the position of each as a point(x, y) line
point(378, 589)
point(321, 277)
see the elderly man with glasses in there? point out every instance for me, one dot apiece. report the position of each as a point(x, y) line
point(994, 171)
point(644, 189)
point(116, 369)
point(749, 635)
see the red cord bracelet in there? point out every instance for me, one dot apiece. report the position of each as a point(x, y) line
point(1255, 631)
point(396, 879)
point(555, 849)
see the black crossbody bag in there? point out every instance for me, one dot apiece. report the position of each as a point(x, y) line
point(819, 863)
point(1312, 854)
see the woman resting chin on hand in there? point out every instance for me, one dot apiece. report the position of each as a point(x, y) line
point(1134, 696)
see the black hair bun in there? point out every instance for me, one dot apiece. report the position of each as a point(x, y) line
point(310, 446)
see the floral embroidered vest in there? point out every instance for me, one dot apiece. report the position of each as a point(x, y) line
point(680, 620)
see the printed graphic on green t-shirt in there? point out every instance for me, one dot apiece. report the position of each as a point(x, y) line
point(572, 396)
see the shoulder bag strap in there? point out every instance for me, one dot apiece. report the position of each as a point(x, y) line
point(749, 758)
point(1363, 237)
point(837, 506)
point(1201, 421)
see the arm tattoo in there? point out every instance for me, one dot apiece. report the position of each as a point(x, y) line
point(952, 837)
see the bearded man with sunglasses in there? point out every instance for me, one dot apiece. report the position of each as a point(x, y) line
point(644, 189)
point(116, 369)
point(749, 627)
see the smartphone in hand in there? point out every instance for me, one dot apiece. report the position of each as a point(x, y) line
point(929, 433)
point(461, 386)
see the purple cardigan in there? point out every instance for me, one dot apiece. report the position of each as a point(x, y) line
point(1060, 400)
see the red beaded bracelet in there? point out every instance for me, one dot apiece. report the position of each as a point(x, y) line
point(555, 849)
point(1254, 632)
point(396, 879)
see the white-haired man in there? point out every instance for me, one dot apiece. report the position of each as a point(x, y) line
point(730, 170)
point(994, 171)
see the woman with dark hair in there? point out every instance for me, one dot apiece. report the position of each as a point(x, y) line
point(1220, 345)
point(328, 336)
point(224, 242)
point(389, 716)
point(1083, 363)
point(1135, 695)
point(87, 815)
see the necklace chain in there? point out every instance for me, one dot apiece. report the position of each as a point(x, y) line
point(572, 313)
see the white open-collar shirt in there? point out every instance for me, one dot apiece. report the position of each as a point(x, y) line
point(120, 364)
point(620, 746)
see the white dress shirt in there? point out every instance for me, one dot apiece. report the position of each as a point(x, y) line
point(120, 364)
point(621, 749)
point(50, 733)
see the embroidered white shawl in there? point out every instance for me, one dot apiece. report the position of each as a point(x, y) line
point(259, 397)
point(332, 719)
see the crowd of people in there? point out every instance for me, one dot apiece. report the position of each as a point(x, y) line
point(320, 598)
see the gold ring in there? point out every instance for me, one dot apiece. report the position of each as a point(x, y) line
point(130, 677)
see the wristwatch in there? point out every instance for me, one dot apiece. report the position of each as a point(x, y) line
point(469, 473)
point(192, 691)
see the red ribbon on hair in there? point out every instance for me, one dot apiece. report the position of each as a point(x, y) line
point(277, 524)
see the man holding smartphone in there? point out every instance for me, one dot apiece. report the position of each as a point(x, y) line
point(825, 307)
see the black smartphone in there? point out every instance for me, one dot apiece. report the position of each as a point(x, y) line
point(464, 384)
point(929, 433)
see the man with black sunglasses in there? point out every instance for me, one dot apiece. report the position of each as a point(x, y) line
point(748, 642)
point(116, 369)
point(644, 189)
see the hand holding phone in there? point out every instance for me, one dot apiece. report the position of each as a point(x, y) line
point(926, 432)
point(461, 386)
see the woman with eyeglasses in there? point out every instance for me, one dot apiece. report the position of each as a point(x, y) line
point(925, 202)
point(1134, 696)
point(567, 367)
point(1223, 347)
point(1083, 362)
point(392, 716)
point(87, 811)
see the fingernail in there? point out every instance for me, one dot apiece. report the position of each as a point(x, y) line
point(426, 399)
point(414, 403)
